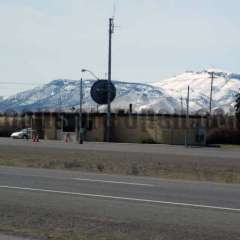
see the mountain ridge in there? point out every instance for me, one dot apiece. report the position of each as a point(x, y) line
point(164, 96)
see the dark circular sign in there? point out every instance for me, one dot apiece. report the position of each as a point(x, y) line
point(99, 92)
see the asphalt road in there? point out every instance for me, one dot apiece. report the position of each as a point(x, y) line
point(172, 150)
point(145, 208)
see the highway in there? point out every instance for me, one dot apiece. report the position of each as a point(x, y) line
point(162, 209)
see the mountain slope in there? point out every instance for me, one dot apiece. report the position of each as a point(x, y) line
point(64, 94)
point(165, 96)
point(225, 87)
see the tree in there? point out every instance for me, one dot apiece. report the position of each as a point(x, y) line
point(237, 105)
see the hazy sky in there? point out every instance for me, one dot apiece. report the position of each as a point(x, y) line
point(42, 40)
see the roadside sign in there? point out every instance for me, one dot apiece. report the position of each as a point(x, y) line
point(99, 92)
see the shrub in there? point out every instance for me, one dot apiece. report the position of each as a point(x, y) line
point(149, 141)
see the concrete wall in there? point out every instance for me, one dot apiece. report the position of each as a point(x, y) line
point(96, 131)
point(49, 127)
point(125, 128)
point(138, 129)
point(159, 129)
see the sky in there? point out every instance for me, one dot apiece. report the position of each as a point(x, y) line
point(154, 39)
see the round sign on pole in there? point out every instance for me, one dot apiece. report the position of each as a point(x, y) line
point(99, 92)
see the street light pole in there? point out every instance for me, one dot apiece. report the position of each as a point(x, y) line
point(91, 73)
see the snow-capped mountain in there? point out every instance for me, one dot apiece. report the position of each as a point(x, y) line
point(64, 95)
point(225, 87)
point(165, 96)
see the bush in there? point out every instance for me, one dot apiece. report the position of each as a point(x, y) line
point(72, 164)
point(149, 141)
point(134, 170)
point(224, 136)
point(100, 167)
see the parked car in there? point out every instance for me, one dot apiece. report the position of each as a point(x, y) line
point(25, 133)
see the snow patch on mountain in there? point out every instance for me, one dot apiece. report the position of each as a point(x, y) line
point(225, 87)
point(63, 94)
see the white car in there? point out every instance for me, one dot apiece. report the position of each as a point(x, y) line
point(25, 133)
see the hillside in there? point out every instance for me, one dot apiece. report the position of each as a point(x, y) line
point(164, 96)
point(225, 87)
point(64, 95)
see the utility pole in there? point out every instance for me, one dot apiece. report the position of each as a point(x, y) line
point(111, 31)
point(211, 92)
point(181, 105)
point(60, 104)
point(187, 119)
point(80, 112)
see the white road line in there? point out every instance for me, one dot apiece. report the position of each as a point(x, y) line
point(114, 182)
point(82, 179)
point(122, 198)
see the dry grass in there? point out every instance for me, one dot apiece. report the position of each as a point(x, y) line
point(125, 163)
point(57, 223)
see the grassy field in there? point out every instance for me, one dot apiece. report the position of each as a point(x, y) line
point(230, 146)
point(55, 221)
